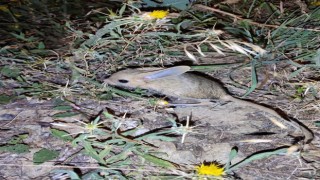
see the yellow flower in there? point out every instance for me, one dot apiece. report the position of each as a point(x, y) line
point(213, 169)
point(158, 14)
point(162, 102)
point(112, 15)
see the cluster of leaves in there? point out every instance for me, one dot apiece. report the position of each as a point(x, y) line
point(16, 145)
point(115, 150)
point(128, 37)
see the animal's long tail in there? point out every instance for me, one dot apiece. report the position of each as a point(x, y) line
point(307, 133)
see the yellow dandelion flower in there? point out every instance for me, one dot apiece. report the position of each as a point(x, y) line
point(213, 169)
point(162, 102)
point(158, 14)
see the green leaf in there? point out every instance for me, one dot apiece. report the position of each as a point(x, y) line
point(258, 156)
point(232, 155)
point(10, 72)
point(72, 174)
point(63, 135)
point(63, 108)
point(92, 152)
point(96, 175)
point(59, 102)
point(107, 115)
point(18, 139)
point(295, 73)
point(44, 155)
point(122, 9)
point(316, 58)
point(163, 138)
point(155, 135)
point(254, 80)
point(105, 152)
point(157, 161)
point(106, 96)
point(124, 93)
point(181, 4)
point(65, 114)
point(211, 68)
point(5, 99)
point(17, 148)
point(41, 45)
point(119, 157)
point(22, 37)
point(96, 120)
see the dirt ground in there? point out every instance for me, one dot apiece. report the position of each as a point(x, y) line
point(216, 129)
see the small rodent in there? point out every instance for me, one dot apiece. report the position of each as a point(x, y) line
point(177, 81)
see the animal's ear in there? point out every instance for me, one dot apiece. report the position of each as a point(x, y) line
point(174, 71)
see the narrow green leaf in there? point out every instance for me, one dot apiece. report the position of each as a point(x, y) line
point(258, 156)
point(124, 93)
point(96, 120)
point(65, 114)
point(107, 115)
point(92, 152)
point(72, 174)
point(119, 157)
point(63, 108)
point(122, 9)
point(163, 138)
point(209, 68)
point(295, 73)
point(105, 152)
point(316, 58)
point(157, 161)
point(254, 80)
point(154, 135)
point(232, 155)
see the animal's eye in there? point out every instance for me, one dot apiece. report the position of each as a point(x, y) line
point(123, 81)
